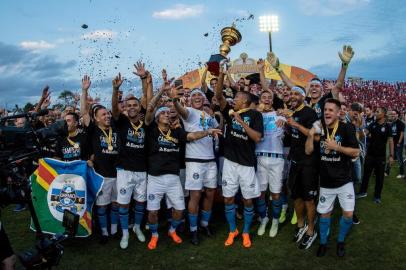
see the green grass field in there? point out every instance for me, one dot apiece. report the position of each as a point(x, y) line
point(379, 242)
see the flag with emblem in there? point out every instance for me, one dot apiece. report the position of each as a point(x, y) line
point(57, 186)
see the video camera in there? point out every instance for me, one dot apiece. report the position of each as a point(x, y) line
point(20, 149)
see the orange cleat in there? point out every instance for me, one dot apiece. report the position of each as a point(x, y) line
point(230, 239)
point(246, 241)
point(153, 242)
point(175, 237)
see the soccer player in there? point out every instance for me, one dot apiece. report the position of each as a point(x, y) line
point(338, 145)
point(163, 144)
point(379, 134)
point(201, 168)
point(244, 130)
point(73, 146)
point(270, 163)
point(103, 155)
point(131, 165)
point(398, 128)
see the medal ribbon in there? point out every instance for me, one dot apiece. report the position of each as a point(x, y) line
point(109, 137)
point(72, 143)
point(135, 128)
point(167, 135)
point(331, 137)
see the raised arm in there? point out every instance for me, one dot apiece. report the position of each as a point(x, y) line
point(274, 61)
point(117, 81)
point(219, 90)
point(261, 69)
point(204, 86)
point(149, 116)
point(84, 108)
point(345, 57)
point(44, 96)
point(145, 76)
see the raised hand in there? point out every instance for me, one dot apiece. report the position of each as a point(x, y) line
point(164, 75)
point(45, 92)
point(117, 81)
point(261, 64)
point(86, 83)
point(273, 60)
point(346, 55)
point(140, 69)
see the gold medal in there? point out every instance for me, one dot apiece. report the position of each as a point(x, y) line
point(76, 146)
point(296, 110)
point(331, 136)
point(110, 147)
point(109, 138)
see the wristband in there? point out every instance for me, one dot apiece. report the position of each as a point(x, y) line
point(344, 65)
point(143, 77)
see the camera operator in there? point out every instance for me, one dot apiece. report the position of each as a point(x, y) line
point(7, 257)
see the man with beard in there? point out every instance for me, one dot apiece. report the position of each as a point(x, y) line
point(302, 175)
point(244, 130)
point(379, 134)
point(270, 163)
point(163, 144)
point(103, 155)
point(338, 145)
point(201, 168)
point(316, 100)
point(131, 165)
point(369, 116)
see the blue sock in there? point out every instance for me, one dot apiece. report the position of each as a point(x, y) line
point(261, 207)
point(101, 215)
point(284, 198)
point(205, 218)
point(193, 222)
point(153, 228)
point(114, 214)
point(248, 214)
point(276, 208)
point(123, 212)
point(324, 228)
point(345, 226)
point(174, 224)
point(139, 210)
point(230, 216)
point(169, 215)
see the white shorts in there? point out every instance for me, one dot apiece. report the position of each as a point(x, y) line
point(108, 193)
point(345, 196)
point(167, 185)
point(128, 183)
point(182, 177)
point(201, 174)
point(235, 176)
point(269, 172)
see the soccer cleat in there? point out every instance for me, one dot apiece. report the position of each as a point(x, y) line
point(207, 230)
point(293, 221)
point(321, 251)
point(194, 238)
point(175, 237)
point(377, 201)
point(124, 242)
point(139, 234)
point(308, 241)
point(299, 232)
point(360, 195)
point(262, 226)
point(230, 238)
point(355, 220)
point(340, 249)
point(282, 218)
point(153, 242)
point(274, 228)
point(19, 207)
point(246, 241)
point(400, 176)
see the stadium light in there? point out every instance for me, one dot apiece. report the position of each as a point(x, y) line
point(269, 24)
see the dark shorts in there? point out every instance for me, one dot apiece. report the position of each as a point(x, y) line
point(303, 182)
point(5, 247)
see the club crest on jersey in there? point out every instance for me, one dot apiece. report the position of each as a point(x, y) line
point(151, 197)
point(195, 176)
point(224, 183)
point(67, 191)
point(123, 191)
point(322, 199)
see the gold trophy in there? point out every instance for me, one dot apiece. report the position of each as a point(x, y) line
point(230, 36)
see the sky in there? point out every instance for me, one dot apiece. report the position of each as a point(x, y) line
point(43, 42)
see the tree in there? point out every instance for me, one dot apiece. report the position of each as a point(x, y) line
point(67, 97)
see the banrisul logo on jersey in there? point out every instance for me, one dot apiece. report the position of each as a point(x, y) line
point(57, 186)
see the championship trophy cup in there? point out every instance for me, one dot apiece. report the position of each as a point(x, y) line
point(230, 36)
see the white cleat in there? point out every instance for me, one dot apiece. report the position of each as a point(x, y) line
point(139, 234)
point(262, 226)
point(274, 228)
point(124, 242)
